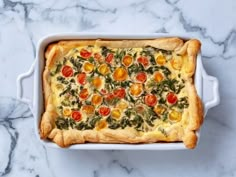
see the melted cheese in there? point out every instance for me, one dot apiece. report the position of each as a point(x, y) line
point(157, 123)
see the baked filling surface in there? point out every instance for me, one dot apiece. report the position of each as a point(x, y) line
point(121, 91)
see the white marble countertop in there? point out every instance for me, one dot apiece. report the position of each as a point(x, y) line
point(24, 22)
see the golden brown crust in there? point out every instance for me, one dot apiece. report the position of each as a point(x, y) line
point(65, 138)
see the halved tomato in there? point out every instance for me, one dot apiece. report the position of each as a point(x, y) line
point(140, 109)
point(76, 115)
point(96, 99)
point(104, 111)
point(84, 94)
point(175, 116)
point(103, 69)
point(97, 82)
point(161, 60)
point(109, 98)
point(85, 54)
point(115, 113)
point(98, 57)
point(177, 62)
point(88, 109)
point(81, 78)
point(141, 77)
point(171, 98)
point(88, 67)
point(120, 74)
point(67, 71)
point(150, 100)
point(136, 89)
point(120, 92)
point(109, 58)
point(66, 112)
point(103, 91)
point(101, 124)
point(143, 60)
point(127, 60)
point(158, 77)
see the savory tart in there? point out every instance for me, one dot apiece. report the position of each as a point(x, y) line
point(121, 91)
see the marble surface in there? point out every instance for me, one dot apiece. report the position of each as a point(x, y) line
point(24, 22)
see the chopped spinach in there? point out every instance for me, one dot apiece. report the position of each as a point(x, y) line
point(62, 80)
point(65, 91)
point(62, 123)
point(105, 51)
point(183, 103)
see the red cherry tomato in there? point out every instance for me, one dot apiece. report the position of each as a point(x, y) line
point(109, 58)
point(84, 94)
point(150, 100)
point(120, 92)
point(104, 111)
point(171, 98)
point(141, 77)
point(103, 91)
point(81, 78)
point(109, 98)
point(85, 54)
point(67, 71)
point(76, 115)
point(143, 60)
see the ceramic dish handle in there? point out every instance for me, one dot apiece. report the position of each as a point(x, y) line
point(211, 95)
point(19, 85)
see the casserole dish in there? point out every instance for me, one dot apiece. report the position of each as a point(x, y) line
point(201, 80)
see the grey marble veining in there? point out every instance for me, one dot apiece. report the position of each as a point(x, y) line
point(24, 22)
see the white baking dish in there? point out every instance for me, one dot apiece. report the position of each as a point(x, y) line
point(207, 88)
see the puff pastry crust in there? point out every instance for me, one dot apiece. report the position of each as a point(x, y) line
point(183, 130)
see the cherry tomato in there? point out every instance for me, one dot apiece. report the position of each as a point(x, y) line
point(85, 54)
point(103, 91)
point(150, 100)
point(104, 111)
point(98, 56)
point(109, 98)
point(141, 77)
point(84, 94)
point(67, 71)
point(81, 78)
point(127, 60)
point(120, 93)
point(109, 57)
point(171, 98)
point(140, 109)
point(143, 60)
point(76, 115)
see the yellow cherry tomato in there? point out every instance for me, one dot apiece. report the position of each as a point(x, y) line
point(97, 82)
point(175, 116)
point(176, 62)
point(159, 109)
point(96, 99)
point(120, 74)
point(101, 124)
point(158, 77)
point(115, 113)
point(161, 60)
point(88, 67)
point(122, 105)
point(136, 89)
point(127, 60)
point(66, 112)
point(88, 109)
point(103, 69)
